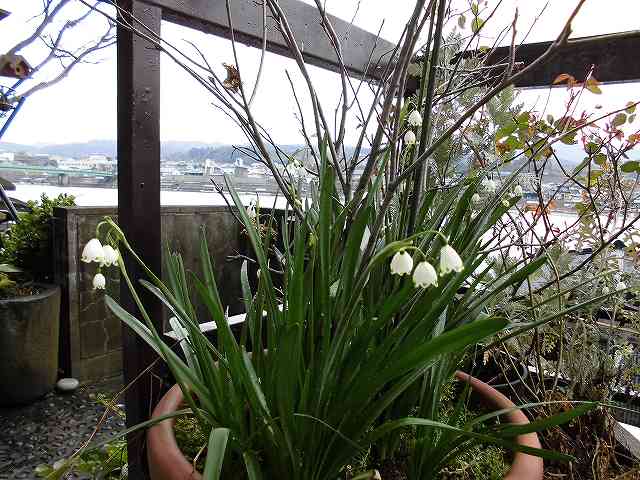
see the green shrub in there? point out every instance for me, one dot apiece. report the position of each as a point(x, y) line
point(28, 244)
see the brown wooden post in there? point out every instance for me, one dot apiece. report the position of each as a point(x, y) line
point(139, 203)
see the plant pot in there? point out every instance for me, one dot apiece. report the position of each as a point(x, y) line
point(29, 328)
point(166, 461)
point(524, 466)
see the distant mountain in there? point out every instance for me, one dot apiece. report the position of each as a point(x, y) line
point(97, 147)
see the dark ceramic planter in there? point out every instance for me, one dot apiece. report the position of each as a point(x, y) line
point(166, 461)
point(29, 328)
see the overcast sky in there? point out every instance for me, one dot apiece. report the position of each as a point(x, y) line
point(83, 106)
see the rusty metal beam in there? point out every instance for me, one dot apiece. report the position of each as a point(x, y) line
point(139, 206)
point(362, 51)
point(615, 59)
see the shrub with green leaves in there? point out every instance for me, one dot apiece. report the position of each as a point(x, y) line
point(28, 243)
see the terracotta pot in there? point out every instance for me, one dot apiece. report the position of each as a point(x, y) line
point(524, 466)
point(166, 461)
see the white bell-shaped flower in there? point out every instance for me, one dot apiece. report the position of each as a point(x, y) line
point(505, 202)
point(252, 209)
point(409, 138)
point(93, 252)
point(425, 275)
point(475, 198)
point(450, 261)
point(621, 286)
point(99, 282)
point(517, 191)
point(111, 256)
point(605, 290)
point(415, 119)
point(489, 185)
point(376, 475)
point(401, 263)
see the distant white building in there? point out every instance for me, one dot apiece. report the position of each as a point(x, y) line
point(212, 168)
point(100, 163)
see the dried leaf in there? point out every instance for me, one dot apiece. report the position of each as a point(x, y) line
point(232, 82)
point(564, 77)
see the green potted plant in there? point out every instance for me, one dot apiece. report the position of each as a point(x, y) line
point(356, 327)
point(29, 306)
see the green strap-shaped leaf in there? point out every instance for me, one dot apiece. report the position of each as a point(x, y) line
point(215, 453)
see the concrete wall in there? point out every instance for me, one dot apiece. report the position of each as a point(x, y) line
point(91, 337)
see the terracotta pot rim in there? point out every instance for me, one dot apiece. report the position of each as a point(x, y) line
point(523, 466)
point(167, 462)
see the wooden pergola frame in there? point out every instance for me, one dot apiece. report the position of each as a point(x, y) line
point(139, 126)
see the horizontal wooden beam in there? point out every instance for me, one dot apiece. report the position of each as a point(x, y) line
point(615, 59)
point(364, 53)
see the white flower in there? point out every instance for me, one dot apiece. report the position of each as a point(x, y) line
point(425, 275)
point(110, 256)
point(93, 252)
point(489, 185)
point(475, 198)
point(450, 261)
point(605, 290)
point(409, 138)
point(505, 202)
point(517, 191)
point(621, 286)
point(252, 209)
point(415, 119)
point(258, 274)
point(401, 263)
point(99, 282)
point(376, 475)
point(296, 169)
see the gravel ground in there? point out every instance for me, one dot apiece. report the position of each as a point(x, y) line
point(52, 428)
